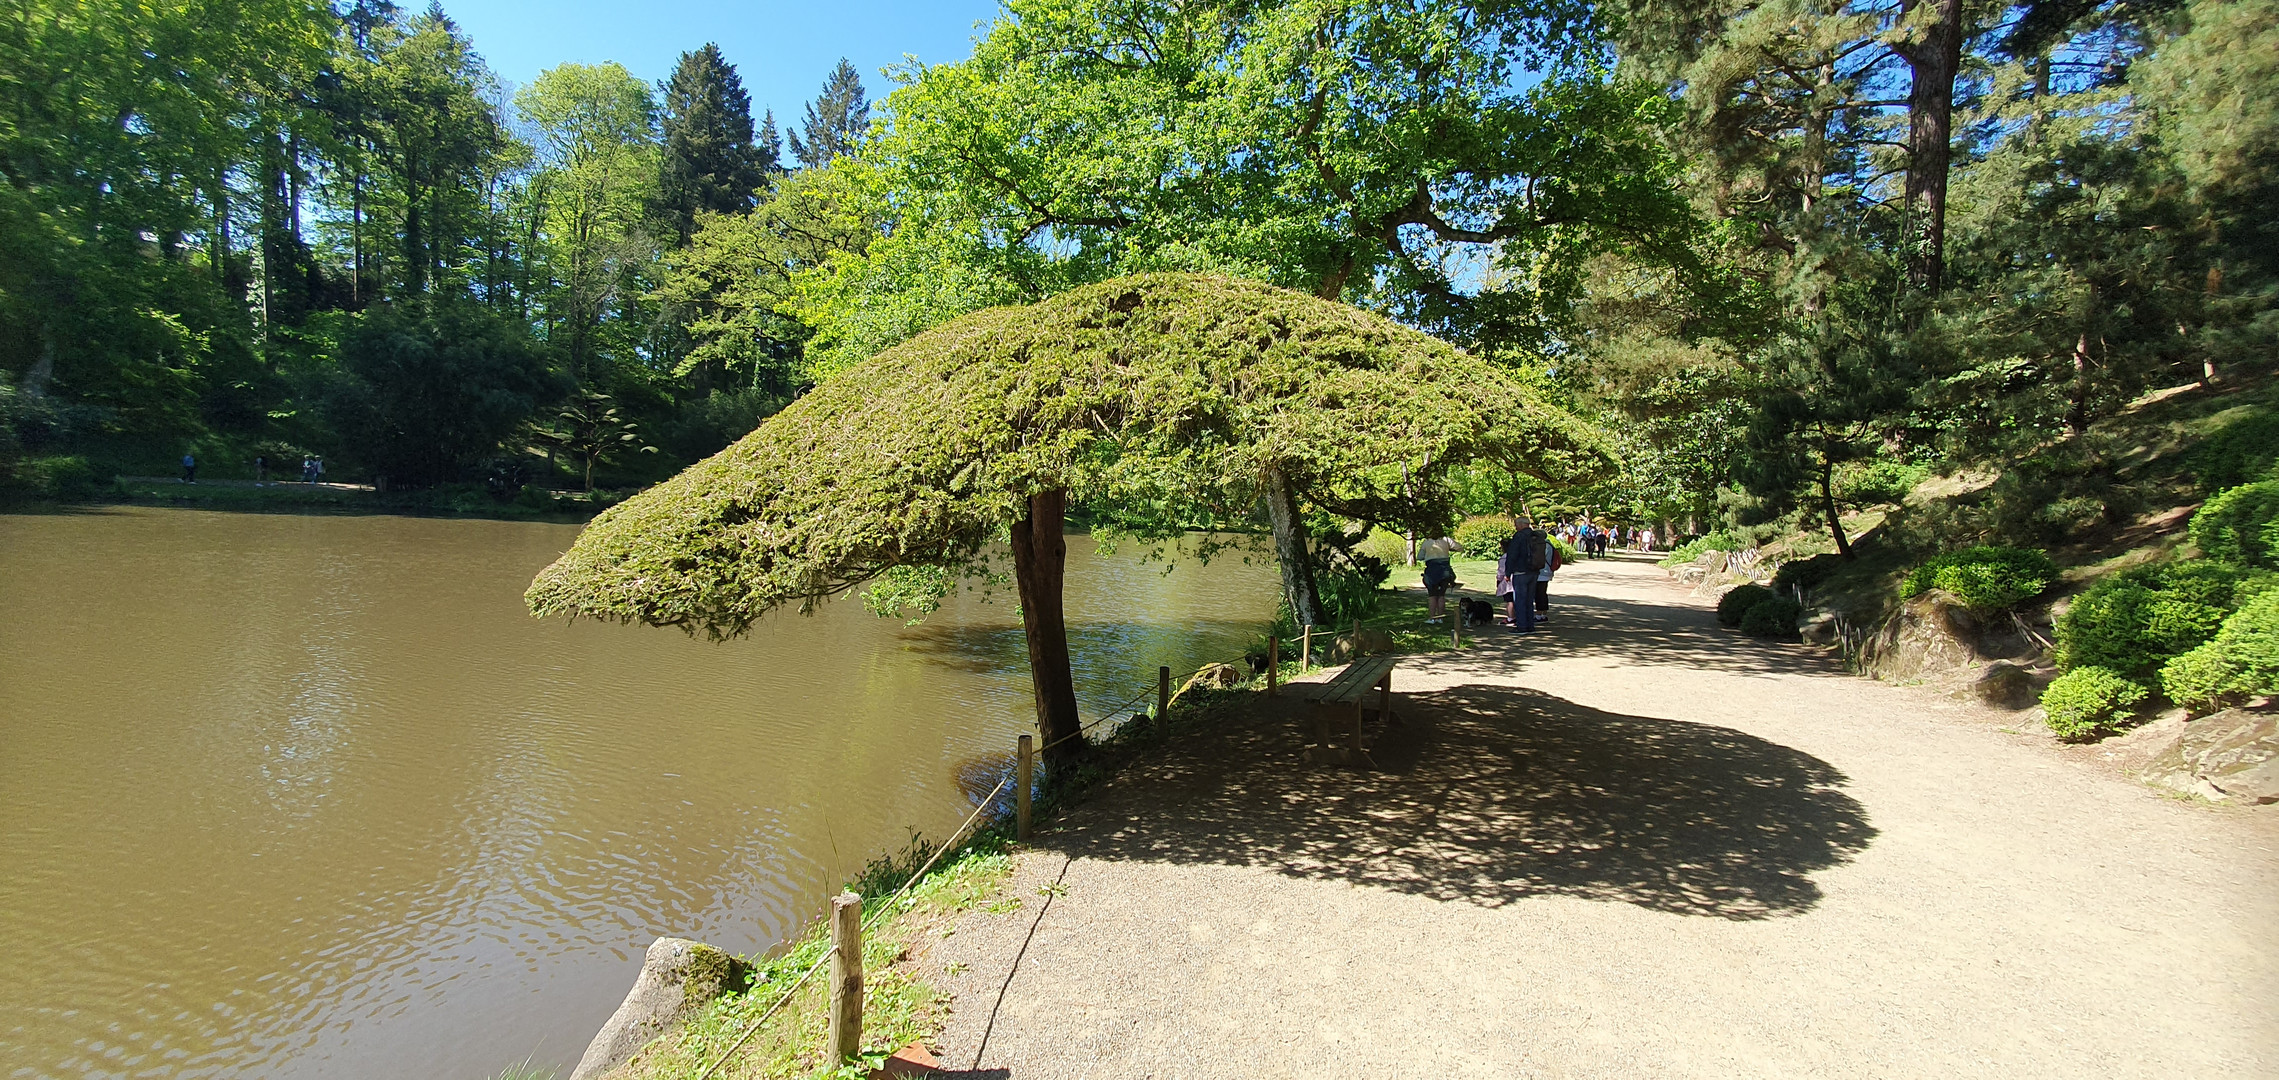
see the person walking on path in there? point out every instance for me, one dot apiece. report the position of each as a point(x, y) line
point(1438, 575)
point(1542, 590)
point(189, 469)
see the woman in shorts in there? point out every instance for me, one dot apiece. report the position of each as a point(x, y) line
point(1438, 575)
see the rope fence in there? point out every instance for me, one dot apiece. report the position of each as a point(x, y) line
point(846, 945)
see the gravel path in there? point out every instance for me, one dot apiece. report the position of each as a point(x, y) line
point(1637, 845)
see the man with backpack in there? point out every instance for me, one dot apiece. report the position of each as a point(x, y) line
point(1516, 571)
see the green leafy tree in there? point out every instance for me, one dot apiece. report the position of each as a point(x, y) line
point(426, 392)
point(597, 145)
point(591, 429)
point(1170, 391)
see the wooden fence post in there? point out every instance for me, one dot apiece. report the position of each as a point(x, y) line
point(1306, 649)
point(846, 1033)
point(1273, 664)
point(1162, 697)
point(1021, 779)
point(1456, 627)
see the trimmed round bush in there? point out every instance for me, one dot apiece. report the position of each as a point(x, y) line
point(1737, 601)
point(2241, 525)
point(1773, 618)
point(2241, 660)
point(2134, 621)
point(2087, 700)
point(1482, 537)
point(1984, 578)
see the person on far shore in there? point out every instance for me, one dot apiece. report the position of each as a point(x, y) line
point(189, 469)
point(260, 470)
point(1438, 575)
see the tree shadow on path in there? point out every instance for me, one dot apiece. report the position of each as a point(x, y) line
point(1490, 795)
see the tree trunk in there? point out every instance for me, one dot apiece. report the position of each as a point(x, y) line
point(2077, 411)
point(1298, 587)
point(1828, 506)
point(1932, 61)
point(1040, 561)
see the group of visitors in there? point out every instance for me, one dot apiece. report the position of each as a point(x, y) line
point(1525, 564)
point(312, 469)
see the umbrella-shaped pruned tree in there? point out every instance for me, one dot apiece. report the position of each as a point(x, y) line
point(1186, 397)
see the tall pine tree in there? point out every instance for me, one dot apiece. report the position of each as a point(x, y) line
point(835, 121)
point(709, 160)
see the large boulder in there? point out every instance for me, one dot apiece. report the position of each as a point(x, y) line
point(678, 977)
point(2005, 685)
point(2234, 753)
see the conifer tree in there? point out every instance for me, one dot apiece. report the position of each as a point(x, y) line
point(836, 120)
point(710, 161)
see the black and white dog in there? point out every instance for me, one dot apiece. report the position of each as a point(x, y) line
point(1477, 612)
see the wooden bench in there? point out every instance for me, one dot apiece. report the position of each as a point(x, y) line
point(1352, 686)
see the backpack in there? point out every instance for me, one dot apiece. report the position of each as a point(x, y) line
point(1554, 552)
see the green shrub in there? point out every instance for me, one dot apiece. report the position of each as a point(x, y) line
point(2241, 525)
point(1692, 549)
point(534, 497)
point(1385, 546)
point(1984, 578)
point(1806, 574)
point(1737, 601)
point(56, 478)
point(2241, 660)
point(2240, 451)
point(1773, 618)
point(2134, 621)
point(2087, 700)
point(1483, 537)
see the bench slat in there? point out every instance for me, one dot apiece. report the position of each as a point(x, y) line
point(1358, 678)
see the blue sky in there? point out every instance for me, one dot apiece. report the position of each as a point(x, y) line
point(783, 50)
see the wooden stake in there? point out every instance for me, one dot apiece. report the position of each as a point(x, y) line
point(1456, 627)
point(1273, 664)
point(1162, 697)
point(1306, 650)
point(1022, 775)
point(846, 1033)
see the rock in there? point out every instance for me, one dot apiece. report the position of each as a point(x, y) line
point(2233, 754)
point(1218, 675)
point(1931, 633)
point(1359, 643)
point(678, 978)
point(2237, 751)
point(2005, 685)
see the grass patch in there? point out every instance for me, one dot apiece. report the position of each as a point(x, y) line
point(898, 1007)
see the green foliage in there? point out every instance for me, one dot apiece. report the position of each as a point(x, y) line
point(66, 477)
point(1880, 482)
point(1482, 537)
point(709, 161)
point(2132, 622)
point(1984, 578)
point(1385, 546)
point(1693, 549)
point(1773, 617)
point(1738, 600)
point(1172, 393)
point(2088, 700)
point(427, 394)
point(1807, 574)
point(2241, 451)
point(2241, 660)
point(2241, 525)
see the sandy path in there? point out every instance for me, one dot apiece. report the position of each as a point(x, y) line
point(1635, 846)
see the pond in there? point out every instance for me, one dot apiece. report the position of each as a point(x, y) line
point(313, 796)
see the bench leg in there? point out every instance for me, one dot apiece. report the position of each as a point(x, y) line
point(1385, 703)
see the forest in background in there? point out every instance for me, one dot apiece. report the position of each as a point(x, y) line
point(1791, 255)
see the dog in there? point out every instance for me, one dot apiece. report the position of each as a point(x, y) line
point(1476, 612)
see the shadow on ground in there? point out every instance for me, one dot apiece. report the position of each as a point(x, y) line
point(1494, 794)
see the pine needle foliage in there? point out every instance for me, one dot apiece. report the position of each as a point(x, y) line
point(1167, 395)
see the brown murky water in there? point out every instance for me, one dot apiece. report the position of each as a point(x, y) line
point(308, 796)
